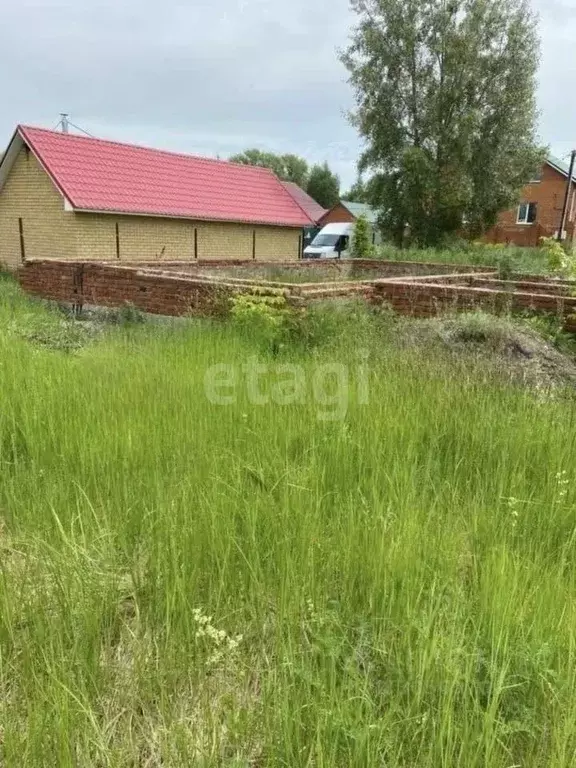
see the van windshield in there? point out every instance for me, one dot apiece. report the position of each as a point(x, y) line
point(322, 240)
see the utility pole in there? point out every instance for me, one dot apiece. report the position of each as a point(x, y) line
point(567, 196)
point(64, 122)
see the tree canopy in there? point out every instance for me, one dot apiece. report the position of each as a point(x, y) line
point(445, 101)
point(324, 186)
point(358, 192)
point(287, 167)
point(318, 181)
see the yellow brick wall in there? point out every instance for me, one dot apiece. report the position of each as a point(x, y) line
point(149, 238)
point(141, 238)
point(277, 243)
point(52, 232)
point(95, 237)
point(224, 241)
point(48, 229)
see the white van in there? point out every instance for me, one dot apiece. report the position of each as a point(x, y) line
point(332, 242)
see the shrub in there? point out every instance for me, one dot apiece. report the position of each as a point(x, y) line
point(265, 316)
point(559, 260)
point(505, 265)
point(361, 240)
point(551, 328)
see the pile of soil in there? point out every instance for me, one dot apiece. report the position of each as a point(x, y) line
point(510, 349)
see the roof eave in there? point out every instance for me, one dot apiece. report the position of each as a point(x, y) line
point(559, 168)
point(9, 158)
point(22, 131)
point(185, 217)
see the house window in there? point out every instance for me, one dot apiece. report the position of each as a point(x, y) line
point(537, 177)
point(527, 213)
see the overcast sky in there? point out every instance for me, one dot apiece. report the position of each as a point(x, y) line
point(216, 76)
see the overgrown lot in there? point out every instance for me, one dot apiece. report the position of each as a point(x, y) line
point(197, 572)
point(507, 259)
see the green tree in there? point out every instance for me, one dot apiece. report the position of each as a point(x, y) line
point(260, 159)
point(287, 167)
point(324, 186)
point(445, 103)
point(357, 192)
point(296, 170)
point(362, 239)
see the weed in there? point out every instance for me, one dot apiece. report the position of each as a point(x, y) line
point(551, 327)
point(266, 318)
point(125, 315)
point(560, 261)
point(507, 259)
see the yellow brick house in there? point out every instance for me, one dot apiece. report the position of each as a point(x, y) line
point(64, 196)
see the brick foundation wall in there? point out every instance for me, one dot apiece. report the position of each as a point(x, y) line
point(421, 299)
point(115, 286)
point(331, 269)
point(550, 288)
point(151, 289)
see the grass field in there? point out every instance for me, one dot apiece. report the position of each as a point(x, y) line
point(508, 259)
point(380, 574)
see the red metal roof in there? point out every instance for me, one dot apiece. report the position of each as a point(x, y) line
point(312, 209)
point(97, 175)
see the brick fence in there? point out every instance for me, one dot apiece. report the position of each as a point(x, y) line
point(525, 236)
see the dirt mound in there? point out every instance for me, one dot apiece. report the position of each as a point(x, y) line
point(512, 348)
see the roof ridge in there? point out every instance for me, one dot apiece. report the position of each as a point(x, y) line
point(147, 148)
point(283, 182)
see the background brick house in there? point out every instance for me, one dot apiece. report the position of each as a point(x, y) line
point(539, 209)
point(72, 197)
point(347, 212)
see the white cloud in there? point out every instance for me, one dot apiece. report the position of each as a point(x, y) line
point(215, 78)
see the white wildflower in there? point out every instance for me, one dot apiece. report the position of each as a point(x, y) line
point(217, 640)
point(513, 505)
point(562, 483)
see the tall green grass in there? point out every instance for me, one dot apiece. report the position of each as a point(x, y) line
point(508, 259)
point(395, 588)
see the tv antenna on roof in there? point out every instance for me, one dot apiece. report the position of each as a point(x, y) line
point(64, 124)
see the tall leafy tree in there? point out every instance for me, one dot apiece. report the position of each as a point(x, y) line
point(324, 186)
point(296, 170)
point(260, 159)
point(357, 192)
point(287, 167)
point(445, 100)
